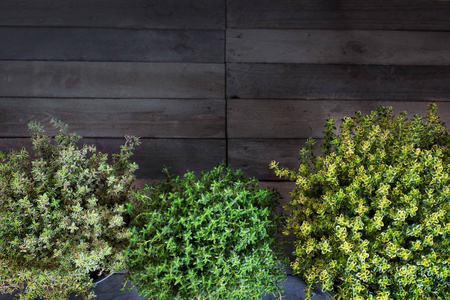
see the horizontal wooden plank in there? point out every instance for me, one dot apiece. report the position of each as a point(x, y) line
point(250, 118)
point(162, 14)
point(147, 118)
point(344, 14)
point(314, 81)
point(179, 155)
point(254, 155)
point(338, 47)
point(153, 155)
point(93, 44)
point(283, 187)
point(110, 79)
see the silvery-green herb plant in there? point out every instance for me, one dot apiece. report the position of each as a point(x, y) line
point(372, 212)
point(211, 237)
point(62, 214)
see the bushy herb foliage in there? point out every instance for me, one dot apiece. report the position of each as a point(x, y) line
point(62, 214)
point(372, 213)
point(211, 237)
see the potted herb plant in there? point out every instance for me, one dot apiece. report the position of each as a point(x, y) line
point(62, 214)
point(211, 237)
point(371, 213)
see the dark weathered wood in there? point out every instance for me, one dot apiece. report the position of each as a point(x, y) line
point(149, 118)
point(249, 118)
point(93, 44)
point(254, 155)
point(283, 187)
point(110, 79)
point(312, 81)
point(338, 47)
point(344, 14)
point(153, 155)
point(141, 183)
point(179, 155)
point(163, 14)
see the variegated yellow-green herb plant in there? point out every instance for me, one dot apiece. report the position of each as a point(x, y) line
point(62, 214)
point(211, 237)
point(372, 212)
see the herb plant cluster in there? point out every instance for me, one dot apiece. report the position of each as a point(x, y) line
point(372, 213)
point(211, 237)
point(62, 214)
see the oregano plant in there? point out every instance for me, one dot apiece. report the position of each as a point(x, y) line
point(211, 237)
point(62, 214)
point(371, 211)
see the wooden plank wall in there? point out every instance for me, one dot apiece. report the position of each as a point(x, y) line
point(204, 81)
point(111, 68)
point(293, 64)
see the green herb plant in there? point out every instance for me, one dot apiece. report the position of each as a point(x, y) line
point(371, 213)
point(62, 214)
point(211, 237)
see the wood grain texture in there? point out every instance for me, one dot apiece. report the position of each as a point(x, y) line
point(344, 14)
point(93, 44)
point(110, 80)
point(254, 155)
point(313, 81)
point(153, 155)
point(249, 118)
point(338, 47)
point(161, 14)
point(179, 155)
point(150, 118)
